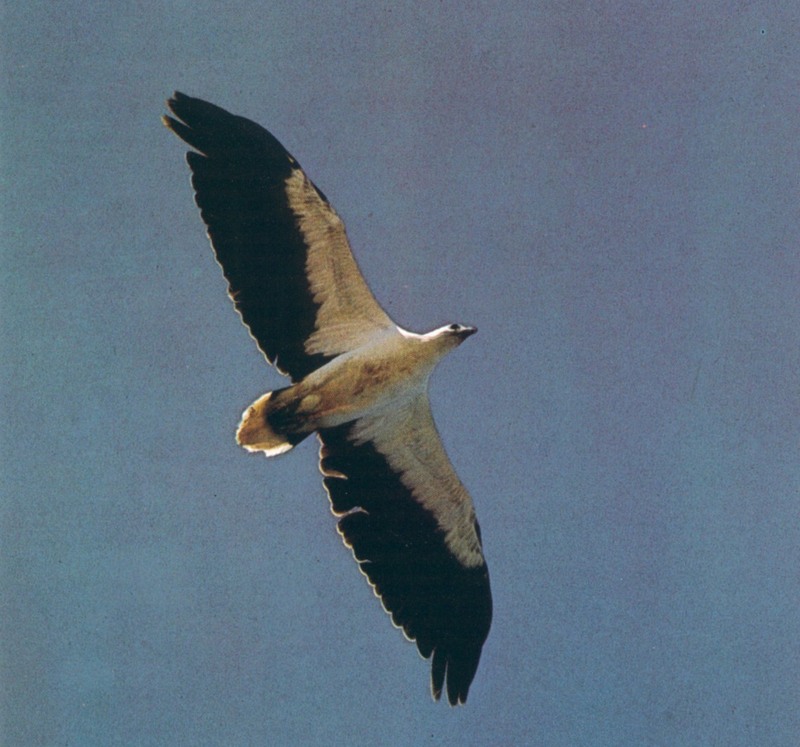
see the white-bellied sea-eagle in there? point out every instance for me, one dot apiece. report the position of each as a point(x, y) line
point(358, 380)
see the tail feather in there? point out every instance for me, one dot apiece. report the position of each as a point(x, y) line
point(257, 430)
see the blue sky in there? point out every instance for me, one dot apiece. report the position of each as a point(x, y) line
point(609, 192)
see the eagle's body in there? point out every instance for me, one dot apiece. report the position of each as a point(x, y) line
point(359, 381)
point(384, 373)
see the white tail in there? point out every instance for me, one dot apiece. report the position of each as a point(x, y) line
point(255, 432)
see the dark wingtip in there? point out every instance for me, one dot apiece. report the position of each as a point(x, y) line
point(456, 696)
point(173, 104)
point(438, 668)
point(176, 98)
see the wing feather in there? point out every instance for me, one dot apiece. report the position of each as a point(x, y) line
point(412, 529)
point(281, 246)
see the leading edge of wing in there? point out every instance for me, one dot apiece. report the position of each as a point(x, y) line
point(282, 248)
point(401, 547)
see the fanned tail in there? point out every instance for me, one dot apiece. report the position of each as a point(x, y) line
point(258, 429)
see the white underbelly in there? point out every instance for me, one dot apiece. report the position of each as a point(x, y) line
point(348, 389)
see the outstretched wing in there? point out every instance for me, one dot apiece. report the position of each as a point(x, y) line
point(411, 526)
point(281, 246)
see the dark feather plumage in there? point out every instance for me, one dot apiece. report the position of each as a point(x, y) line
point(239, 179)
point(444, 607)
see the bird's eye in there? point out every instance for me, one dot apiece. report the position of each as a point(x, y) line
point(455, 327)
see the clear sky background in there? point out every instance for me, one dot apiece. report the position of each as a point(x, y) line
point(609, 191)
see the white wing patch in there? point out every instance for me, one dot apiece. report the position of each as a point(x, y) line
point(411, 445)
point(348, 313)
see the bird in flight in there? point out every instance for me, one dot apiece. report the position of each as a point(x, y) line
point(359, 382)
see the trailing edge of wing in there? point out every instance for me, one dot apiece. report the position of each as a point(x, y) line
point(282, 248)
point(403, 550)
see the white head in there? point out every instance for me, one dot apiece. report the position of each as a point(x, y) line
point(450, 336)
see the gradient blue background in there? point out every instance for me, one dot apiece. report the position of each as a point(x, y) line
point(609, 191)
